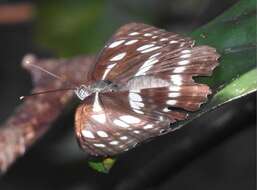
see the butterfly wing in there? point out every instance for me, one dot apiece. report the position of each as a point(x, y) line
point(131, 46)
point(105, 124)
point(154, 72)
point(114, 122)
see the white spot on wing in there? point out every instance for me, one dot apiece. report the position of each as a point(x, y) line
point(109, 67)
point(166, 110)
point(87, 134)
point(135, 102)
point(146, 66)
point(174, 94)
point(115, 44)
point(173, 41)
point(135, 97)
point(154, 55)
point(123, 138)
point(164, 39)
point(130, 42)
point(185, 56)
point(133, 33)
point(120, 123)
point(184, 62)
point(130, 119)
point(151, 49)
point(101, 118)
point(182, 44)
point(176, 79)
point(145, 47)
point(99, 145)
point(179, 69)
point(138, 111)
point(118, 57)
point(114, 142)
point(186, 51)
point(150, 62)
point(148, 126)
point(174, 88)
point(136, 131)
point(171, 102)
point(96, 105)
point(142, 71)
point(147, 34)
point(102, 134)
point(136, 105)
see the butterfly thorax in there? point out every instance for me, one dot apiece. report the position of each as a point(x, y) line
point(84, 91)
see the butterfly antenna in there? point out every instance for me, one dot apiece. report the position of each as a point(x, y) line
point(45, 92)
point(30, 59)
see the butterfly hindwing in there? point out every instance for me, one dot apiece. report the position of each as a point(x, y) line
point(111, 123)
point(105, 124)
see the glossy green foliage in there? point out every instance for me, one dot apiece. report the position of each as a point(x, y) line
point(234, 35)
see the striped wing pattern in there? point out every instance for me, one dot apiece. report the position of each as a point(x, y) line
point(109, 126)
point(131, 46)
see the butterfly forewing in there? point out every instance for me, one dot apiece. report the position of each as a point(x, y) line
point(131, 46)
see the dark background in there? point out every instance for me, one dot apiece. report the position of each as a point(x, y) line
point(216, 151)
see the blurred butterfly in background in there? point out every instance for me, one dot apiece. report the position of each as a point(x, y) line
point(140, 83)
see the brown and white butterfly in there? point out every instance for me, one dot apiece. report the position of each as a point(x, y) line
point(140, 79)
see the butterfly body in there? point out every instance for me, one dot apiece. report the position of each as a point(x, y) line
point(142, 83)
point(102, 86)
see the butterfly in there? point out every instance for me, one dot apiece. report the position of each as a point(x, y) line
point(142, 81)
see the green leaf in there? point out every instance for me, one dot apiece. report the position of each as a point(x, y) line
point(234, 35)
point(241, 86)
point(102, 166)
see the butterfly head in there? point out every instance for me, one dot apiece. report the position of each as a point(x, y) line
point(82, 92)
